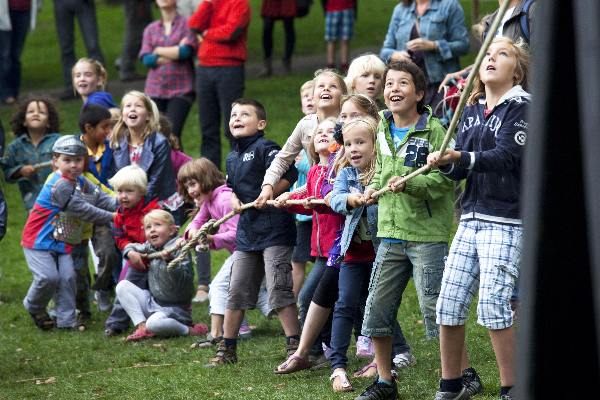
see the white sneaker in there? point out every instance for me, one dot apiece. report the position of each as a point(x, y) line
point(404, 360)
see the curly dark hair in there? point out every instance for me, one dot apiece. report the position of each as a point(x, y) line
point(18, 118)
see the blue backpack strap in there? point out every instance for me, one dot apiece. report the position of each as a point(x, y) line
point(525, 19)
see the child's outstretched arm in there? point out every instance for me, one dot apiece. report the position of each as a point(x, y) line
point(63, 196)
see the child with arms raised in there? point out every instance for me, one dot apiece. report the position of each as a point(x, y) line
point(130, 183)
point(165, 308)
point(27, 160)
point(51, 231)
point(414, 221)
point(486, 250)
point(264, 239)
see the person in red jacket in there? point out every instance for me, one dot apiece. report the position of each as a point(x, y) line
point(222, 29)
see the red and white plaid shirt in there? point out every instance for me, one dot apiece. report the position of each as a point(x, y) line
point(176, 77)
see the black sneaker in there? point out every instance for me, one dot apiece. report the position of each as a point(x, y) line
point(462, 395)
point(471, 381)
point(379, 391)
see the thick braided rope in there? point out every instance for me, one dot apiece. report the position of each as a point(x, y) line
point(462, 102)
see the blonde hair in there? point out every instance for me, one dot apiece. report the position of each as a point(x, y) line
point(312, 153)
point(98, 68)
point(333, 73)
point(306, 85)
point(365, 63)
point(365, 103)
point(120, 130)
point(159, 215)
point(521, 53)
point(130, 176)
point(342, 162)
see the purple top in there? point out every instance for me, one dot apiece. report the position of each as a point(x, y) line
point(178, 158)
point(176, 77)
point(329, 175)
point(216, 207)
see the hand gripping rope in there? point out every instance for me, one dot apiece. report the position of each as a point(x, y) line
point(461, 104)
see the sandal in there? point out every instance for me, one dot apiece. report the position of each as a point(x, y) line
point(293, 364)
point(43, 321)
point(345, 385)
point(140, 333)
point(366, 371)
point(209, 341)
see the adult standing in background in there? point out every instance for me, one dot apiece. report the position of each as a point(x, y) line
point(271, 11)
point(16, 16)
point(187, 7)
point(432, 34)
point(138, 14)
point(222, 28)
point(65, 12)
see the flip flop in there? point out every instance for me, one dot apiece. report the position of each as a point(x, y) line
point(293, 364)
point(361, 372)
point(345, 384)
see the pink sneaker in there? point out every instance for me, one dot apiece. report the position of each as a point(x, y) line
point(245, 332)
point(140, 333)
point(198, 330)
point(364, 347)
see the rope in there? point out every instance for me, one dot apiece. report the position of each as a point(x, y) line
point(42, 165)
point(462, 102)
point(298, 202)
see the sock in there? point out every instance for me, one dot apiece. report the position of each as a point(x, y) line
point(230, 342)
point(451, 385)
point(381, 380)
point(504, 390)
point(288, 338)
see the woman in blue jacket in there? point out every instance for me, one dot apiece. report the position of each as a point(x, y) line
point(432, 34)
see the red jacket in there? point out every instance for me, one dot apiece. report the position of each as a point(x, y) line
point(224, 27)
point(326, 223)
point(129, 227)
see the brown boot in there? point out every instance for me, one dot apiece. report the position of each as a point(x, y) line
point(291, 346)
point(267, 69)
point(225, 355)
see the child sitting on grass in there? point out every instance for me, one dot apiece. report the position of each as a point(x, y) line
point(51, 230)
point(165, 308)
point(130, 183)
point(264, 239)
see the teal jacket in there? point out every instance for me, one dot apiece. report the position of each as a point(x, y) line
point(423, 212)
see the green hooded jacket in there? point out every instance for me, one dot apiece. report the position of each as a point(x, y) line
point(423, 212)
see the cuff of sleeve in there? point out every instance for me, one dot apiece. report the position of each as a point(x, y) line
point(467, 160)
point(444, 49)
point(185, 52)
point(149, 60)
point(447, 169)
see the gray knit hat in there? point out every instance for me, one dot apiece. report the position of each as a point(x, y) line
point(70, 145)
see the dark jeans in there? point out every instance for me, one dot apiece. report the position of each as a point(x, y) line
point(304, 299)
point(218, 87)
point(118, 318)
point(176, 110)
point(203, 267)
point(65, 12)
point(267, 37)
point(353, 287)
point(138, 14)
point(109, 257)
point(11, 47)
point(80, 255)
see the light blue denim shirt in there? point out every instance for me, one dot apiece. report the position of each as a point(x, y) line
point(347, 183)
point(443, 22)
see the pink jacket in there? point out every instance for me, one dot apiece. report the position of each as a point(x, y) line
point(216, 207)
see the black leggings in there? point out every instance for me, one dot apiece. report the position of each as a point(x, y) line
point(176, 109)
point(290, 36)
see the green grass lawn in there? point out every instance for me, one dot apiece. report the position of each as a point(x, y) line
point(87, 365)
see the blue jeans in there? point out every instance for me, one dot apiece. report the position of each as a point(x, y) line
point(11, 47)
point(305, 297)
point(65, 12)
point(217, 87)
point(352, 294)
point(394, 265)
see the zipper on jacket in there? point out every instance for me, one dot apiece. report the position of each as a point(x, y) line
point(428, 208)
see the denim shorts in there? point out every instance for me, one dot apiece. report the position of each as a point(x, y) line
point(394, 265)
point(339, 25)
point(484, 257)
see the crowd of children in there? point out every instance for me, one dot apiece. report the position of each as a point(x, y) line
point(122, 186)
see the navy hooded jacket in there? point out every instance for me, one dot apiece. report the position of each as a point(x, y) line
point(491, 149)
point(246, 167)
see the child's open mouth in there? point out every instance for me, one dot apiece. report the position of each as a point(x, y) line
point(396, 98)
point(490, 68)
point(132, 117)
point(326, 96)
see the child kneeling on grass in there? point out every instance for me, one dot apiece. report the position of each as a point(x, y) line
point(264, 238)
point(165, 308)
point(51, 231)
